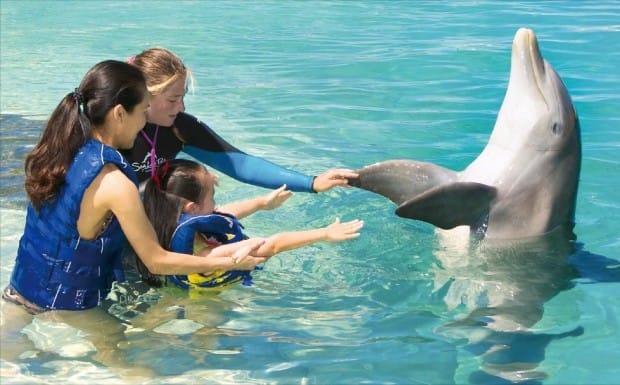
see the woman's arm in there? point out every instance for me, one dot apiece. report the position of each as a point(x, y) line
point(336, 232)
point(202, 143)
point(118, 194)
point(248, 207)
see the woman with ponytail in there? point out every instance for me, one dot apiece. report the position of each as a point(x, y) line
point(84, 201)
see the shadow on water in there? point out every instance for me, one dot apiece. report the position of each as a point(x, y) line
point(18, 137)
point(502, 289)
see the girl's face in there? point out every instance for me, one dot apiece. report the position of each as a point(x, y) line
point(166, 105)
point(207, 206)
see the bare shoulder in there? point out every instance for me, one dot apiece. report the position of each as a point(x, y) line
point(113, 185)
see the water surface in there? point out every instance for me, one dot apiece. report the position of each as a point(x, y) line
point(314, 85)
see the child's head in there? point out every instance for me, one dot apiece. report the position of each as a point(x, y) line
point(187, 182)
point(178, 186)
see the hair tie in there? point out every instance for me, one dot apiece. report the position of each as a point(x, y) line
point(160, 174)
point(131, 59)
point(77, 96)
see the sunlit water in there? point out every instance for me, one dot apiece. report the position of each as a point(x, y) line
point(315, 85)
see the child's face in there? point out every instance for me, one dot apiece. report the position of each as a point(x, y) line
point(207, 206)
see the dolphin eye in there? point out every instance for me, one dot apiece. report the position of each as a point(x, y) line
point(555, 129)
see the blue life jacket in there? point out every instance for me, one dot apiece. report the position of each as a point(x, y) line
point(55, 268)
point(216, 228)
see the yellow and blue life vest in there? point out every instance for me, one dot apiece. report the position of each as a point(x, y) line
point(213, 229)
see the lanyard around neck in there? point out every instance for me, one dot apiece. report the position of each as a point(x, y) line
point(152, 142)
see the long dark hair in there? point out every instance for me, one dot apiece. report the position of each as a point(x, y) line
point(106, 85)
point(175, 182)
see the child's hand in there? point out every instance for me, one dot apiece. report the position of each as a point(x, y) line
point(276, 198)
point(244, 257)
point(337, 232)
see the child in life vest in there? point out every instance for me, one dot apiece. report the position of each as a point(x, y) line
point(179, 201)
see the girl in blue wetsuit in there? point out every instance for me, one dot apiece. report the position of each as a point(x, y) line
point(179, 202)
point(169, 130)
point(84, 201)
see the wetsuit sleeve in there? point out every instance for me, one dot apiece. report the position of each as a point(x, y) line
point(202, 143)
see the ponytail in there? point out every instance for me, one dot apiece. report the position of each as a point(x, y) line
point(47, 164)
point(163, 210)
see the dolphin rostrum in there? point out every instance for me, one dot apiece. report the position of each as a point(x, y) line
point(523, 184)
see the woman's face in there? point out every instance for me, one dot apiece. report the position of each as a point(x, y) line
point(132, 123)
point(166, 105)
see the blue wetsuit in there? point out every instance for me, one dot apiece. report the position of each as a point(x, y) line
point(198, 140)
point(55, 268)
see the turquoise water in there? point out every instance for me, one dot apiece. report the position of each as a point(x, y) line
point(316, 85)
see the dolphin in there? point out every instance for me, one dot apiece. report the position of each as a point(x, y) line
point(523, 184)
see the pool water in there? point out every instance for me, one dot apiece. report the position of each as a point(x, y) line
point(316, 85)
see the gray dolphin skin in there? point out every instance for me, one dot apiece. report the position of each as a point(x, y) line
point(523, 184)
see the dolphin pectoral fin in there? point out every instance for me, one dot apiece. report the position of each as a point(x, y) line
point(398, 180)
point(450, 205)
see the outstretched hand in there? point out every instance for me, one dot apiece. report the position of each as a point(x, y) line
point(244, 257)
point(332, 178)
point(276, 198)
point(337, 232)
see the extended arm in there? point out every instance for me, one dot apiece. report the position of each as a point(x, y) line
point(202, 143)
point(267, 202)
point(336, 232)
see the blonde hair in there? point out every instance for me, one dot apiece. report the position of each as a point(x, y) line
point(161, 68)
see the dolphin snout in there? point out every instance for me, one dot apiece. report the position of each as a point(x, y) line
point(527, 64)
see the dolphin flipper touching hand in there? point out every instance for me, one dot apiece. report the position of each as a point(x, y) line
point(399, 180)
